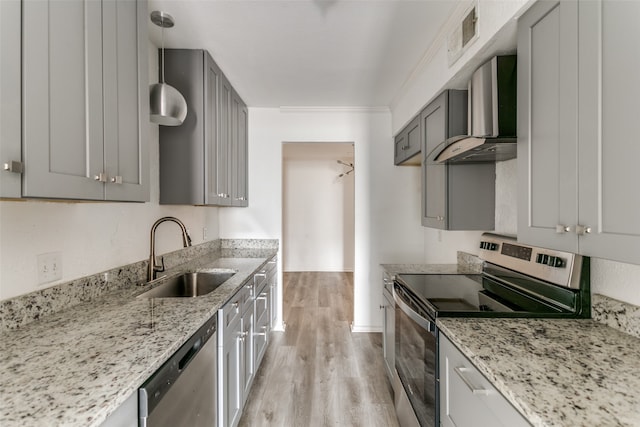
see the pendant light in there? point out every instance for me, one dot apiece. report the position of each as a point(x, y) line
point(167, 105)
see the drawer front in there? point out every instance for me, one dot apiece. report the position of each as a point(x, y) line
point(233, 309)
point(467, 398)
point(261, 304)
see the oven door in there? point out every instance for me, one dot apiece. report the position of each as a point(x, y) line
point(416, 360)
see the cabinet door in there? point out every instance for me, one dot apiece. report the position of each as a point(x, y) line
point(609, 93)
point(230, 400)
point(434, 176)
point(399, 142)
point(247, 367)
point(126, 95)
point(10, 137)
point(223, 186)
point(239, 153)
point(273, 291)
point(212, 84)
point(388, 337)
point(408, 144)
point(261, 327)
point(547, 125)
point(62, 131)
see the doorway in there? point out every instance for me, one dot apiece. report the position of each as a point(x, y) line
point(318, 211)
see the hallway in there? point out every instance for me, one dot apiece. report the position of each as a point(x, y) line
point(318, 373)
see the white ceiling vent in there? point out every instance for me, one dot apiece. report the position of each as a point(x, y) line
point(464, 34)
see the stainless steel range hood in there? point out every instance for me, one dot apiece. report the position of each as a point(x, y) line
point(492, 117)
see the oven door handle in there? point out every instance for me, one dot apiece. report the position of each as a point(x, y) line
point(424, 323)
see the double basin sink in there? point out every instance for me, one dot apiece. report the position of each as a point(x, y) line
point(190, 285)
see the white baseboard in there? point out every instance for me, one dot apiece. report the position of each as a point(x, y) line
point(365, 328)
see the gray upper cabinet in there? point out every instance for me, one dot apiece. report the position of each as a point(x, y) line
point(199, 159)
point(407, 144)
point(454, 197)
point(10, 132)
point(239, 155)
point(547, 119)
point(577, 160)
point(608, 112)
point(85, 100)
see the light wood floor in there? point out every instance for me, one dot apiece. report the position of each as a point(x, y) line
point(317, 373)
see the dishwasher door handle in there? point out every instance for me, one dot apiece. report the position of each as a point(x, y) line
point(190, 354)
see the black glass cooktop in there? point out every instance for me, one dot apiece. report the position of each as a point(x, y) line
point(474, 295)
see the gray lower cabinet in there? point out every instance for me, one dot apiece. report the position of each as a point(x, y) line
point(84, 100)
point(230, 363)
point(388, 326)
point(243, 336)
point(454, 197)
point(467, 398)
point(407, 144)
point(204, 160)
point(578, 100)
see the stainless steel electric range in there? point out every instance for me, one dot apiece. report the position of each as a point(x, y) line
point(517, 280)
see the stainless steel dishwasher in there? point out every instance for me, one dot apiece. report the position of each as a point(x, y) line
point(183, 391)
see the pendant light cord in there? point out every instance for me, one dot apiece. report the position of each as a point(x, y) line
point(162, 37)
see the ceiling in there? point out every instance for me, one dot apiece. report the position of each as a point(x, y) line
point(309, 53)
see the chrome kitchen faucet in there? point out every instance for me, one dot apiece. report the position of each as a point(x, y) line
point(153, 266)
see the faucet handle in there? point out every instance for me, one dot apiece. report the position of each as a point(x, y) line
point(160, 268)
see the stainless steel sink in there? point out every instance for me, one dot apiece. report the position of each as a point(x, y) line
point(189, 285)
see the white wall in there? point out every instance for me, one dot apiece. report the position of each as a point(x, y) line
point(387, 202)
point(91, 237)
point(318, 212)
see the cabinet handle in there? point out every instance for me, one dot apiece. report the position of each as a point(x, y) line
point(460, 371)
point(13, 166)
point(116, 179)
point(562, 229)
point(262, 296)
point(382, 307)
point(581, 230)
point(235, 305)
point(261, 334)
point(242, 335)
point(241, 198)
point(101, 177)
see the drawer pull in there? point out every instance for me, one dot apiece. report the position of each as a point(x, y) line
point(460, 371)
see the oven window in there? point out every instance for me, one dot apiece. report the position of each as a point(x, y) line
point(416, 366)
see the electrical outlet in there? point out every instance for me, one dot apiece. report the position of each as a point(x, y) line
point(49, 267)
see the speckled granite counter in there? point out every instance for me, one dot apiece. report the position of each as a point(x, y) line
point(556, 372)
point(76, 366)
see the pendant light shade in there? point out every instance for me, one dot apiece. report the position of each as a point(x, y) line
point(167, 106)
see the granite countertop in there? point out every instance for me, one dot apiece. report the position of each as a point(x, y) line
point(76, 367)
point(556, 372)
point(431, 269)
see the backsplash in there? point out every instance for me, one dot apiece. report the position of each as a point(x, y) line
point(617, 314)
point(19, 311)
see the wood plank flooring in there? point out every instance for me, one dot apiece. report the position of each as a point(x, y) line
point(317, 373)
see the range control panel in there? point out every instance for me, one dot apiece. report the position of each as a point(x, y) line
point(546, 264)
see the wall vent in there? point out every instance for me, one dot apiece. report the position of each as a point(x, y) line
point(463, 35)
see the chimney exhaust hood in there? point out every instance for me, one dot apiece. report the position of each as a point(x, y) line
point(492, 117)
